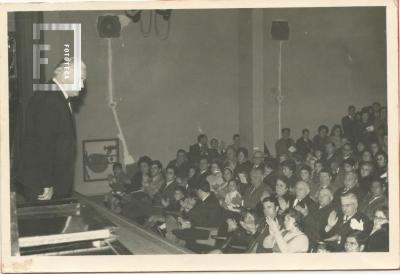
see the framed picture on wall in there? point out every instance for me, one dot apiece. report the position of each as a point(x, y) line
point(98, 158)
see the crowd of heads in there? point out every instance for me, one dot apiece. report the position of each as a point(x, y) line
point(343, 167)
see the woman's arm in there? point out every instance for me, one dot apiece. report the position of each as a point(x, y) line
point(296, 245)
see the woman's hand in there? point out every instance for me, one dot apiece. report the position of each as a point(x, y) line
point(302, 210)
point(273, 226)
point(283, 204)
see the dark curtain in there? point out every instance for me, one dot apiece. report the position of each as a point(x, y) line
point(23, 87)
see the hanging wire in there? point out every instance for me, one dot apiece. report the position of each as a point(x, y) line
point(160, 35)
point(146, 33)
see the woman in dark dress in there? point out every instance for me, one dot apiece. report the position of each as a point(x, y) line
point(378, 240)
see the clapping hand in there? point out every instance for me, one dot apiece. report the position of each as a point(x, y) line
point(283, 204)
point(273, 226)
point(332, 219)
point(302, 210)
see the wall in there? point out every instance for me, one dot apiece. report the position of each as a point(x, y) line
point(334, 57)
point(167, 89)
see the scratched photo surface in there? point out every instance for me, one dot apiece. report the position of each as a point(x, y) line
point(200, 131)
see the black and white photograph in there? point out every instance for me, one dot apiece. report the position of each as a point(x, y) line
point(249, 134)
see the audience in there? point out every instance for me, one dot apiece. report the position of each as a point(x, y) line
point(330, 191)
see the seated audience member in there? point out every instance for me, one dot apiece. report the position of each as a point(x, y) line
point(315, 221)
point(381, 164)
point(236, 141)
point(290, 239)
point(366, 156)
point(173, 207)
point(349, 165)
point(366, 128)
point(302, 198)
point(255, 190)
point(233, 199)
point(216, 181)
point(180, 163)
point(198, 150)
point(174, 221)
point(243, 165)
point(230, 158)
point(366, 176)
point(316, 171)
point(305, 174)
point(337, 174)
point(360, 147)
point(330, 154)
point(304, 144)
point(325, 182)
point(342, 224)
point(258, 159)
point(321, 138)
point(336, 136)
point(191, 177)
point(206, 213)
point(270, 173)
point(346, 153)
point(378, 240)
point(350, 186)
point(119, 183)
point(375, 198)
point(349, 123)
point(153, 185)
point(270, 210)
point(355, 242)
point(285, 145)
point(374, 148)
point(376, 111)
point(165, 194)
point(240, 235)
point(283, 196)
point(288, 170)
point(204, 172)
point(214, 152)
point(142, 175)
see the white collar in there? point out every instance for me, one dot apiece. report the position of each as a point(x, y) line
point(205, 197)
point(60, 86)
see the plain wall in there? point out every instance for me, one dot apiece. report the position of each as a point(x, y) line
point(167, 90)
point(333, 58)
point(201, 76)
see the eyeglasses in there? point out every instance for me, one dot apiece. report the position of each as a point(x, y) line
point(378, 218)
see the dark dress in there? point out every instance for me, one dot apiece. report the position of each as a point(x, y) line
point(379, 240)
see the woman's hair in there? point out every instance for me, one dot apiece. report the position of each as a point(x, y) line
point(218, 163)
point(360, 236)
point(337, 127)
point(244, 151)
point(384, 210)
point(298, 218)
point(284, 180)
point(144, 159)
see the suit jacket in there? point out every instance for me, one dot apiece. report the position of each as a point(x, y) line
point(195, 152)
point(315, 222)
point(368, 205)
point(349, 127)
point(207, 213)
point(252, 195)
point(304, 146)
point(311, 205)
point(379, 240)
point(343, 228)
point(282, 146)
point(165, 192)
point(48, 144)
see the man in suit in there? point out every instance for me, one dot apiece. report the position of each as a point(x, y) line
point(340, 225)
point(376, 198)
point(325, 181)
point(349, 124)
point(270, 210)
point(206, 213)
point(198, 150)
point(46, 162)
point(253, 193)
point(204, 171)
point(350, 185)
point(285, 145)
